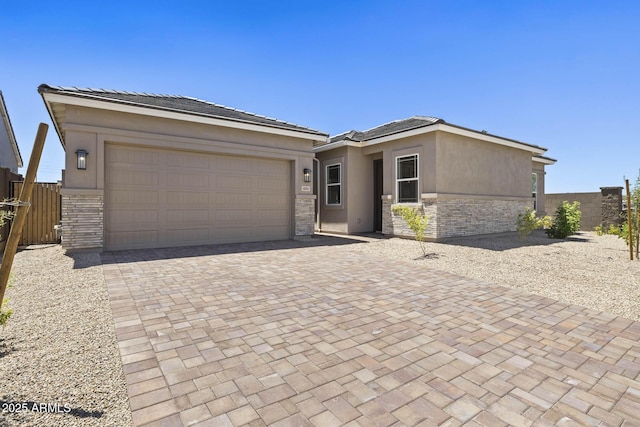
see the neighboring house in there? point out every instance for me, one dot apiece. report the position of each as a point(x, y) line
point(10, 157)
point(145, 171)
point(468, 182)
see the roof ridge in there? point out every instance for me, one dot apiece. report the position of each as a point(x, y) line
point(114, 91)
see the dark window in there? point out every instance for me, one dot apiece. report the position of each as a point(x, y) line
point(407, 179)
point(334, 185)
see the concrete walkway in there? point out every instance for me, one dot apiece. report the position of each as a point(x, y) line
point(309, 333)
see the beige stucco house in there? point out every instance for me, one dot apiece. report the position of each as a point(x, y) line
point(468, 182)
point(145, 171)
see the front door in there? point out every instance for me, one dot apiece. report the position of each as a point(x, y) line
point(377, 195)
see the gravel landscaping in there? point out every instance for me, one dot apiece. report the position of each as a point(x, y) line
point(59, 348)
point(586, 269)
point(59, 361)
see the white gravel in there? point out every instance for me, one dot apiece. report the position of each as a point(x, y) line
point(59, 347)
point(586, 269)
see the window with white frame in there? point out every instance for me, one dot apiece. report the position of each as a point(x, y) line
point(334, 185)
point(534, 190)
point(407, 179)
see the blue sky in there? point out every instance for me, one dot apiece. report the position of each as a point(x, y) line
point(561, 74)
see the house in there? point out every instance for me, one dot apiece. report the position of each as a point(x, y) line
point(10, 157)
point(146, 170)
point(468, 182)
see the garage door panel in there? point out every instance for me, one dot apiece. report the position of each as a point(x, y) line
point(158, 197)
point(187, 160)
point(187, 180)
point(191, 235)
point(133, 217)
point(188, 216)
point(132, 197)
point(233, 217)
point(237, 183)
point(132, 156)
point(271, 217)
point(190, 198)
point(224, 199)
point(133, 177)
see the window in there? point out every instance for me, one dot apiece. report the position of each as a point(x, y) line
point(407, 179)
point(334, 184)
point(534, 190)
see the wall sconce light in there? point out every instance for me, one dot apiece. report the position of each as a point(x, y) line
point(307, 175)
point(82, 159)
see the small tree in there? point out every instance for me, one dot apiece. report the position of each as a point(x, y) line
point(566, 221)
point(528, 221)
point(416, 221)
point(634, 220)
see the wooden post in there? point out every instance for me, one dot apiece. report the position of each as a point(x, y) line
point(629, 220)
point(21, 211)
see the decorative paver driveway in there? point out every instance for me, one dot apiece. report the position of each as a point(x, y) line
point(294, 334)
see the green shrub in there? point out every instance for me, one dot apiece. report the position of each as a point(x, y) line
point(416, 222)
point(566, 221)
point(5, 314)
point(528, 221)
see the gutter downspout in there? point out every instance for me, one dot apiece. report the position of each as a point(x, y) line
point(317, 161)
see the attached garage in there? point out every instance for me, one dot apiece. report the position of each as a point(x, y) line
point(161, 198)
point(174, 171)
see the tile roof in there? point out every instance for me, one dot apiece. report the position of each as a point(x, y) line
point(386, 129)
point(404, 125)
point(176, 103)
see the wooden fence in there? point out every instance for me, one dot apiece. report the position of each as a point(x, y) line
point(43, 214)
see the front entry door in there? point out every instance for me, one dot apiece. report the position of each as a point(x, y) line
point(377, 195)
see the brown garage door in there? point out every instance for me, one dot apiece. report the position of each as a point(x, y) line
point(161, 198)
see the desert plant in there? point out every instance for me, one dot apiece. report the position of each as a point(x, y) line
point(5, 313)
point(566, 221)
point(416, 221)
point(634, 193)
point(529, 221)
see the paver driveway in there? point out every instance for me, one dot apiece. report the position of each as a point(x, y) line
point(296, 334)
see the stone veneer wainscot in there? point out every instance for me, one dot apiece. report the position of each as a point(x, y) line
point(304, 215)
point(453, 215)
point(82, 219)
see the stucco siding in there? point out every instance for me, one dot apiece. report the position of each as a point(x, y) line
point(468, 166)
point(7, 156)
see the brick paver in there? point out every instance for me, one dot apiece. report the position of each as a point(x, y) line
point(310, 333)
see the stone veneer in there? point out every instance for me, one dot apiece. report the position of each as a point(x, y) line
point(304, 215)
point(452, 217)
point(82, 220)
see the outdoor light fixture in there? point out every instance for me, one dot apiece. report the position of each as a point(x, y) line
point(82, 159)
point(307, 175)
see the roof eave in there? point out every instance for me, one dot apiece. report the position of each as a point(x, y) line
point(544, 160)
point(446, 127)
point(52, 95)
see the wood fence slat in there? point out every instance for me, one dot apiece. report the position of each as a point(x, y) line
point(43, 214)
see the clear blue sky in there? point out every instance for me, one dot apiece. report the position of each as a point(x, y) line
point(561, 74)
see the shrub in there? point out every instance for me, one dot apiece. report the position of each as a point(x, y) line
point(416, 222)
point(5, 314)
point(528, 221)
point(566, 221)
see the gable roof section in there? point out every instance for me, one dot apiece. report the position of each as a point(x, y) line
point(12, 137)
point(170, 106)
point(417, 125)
